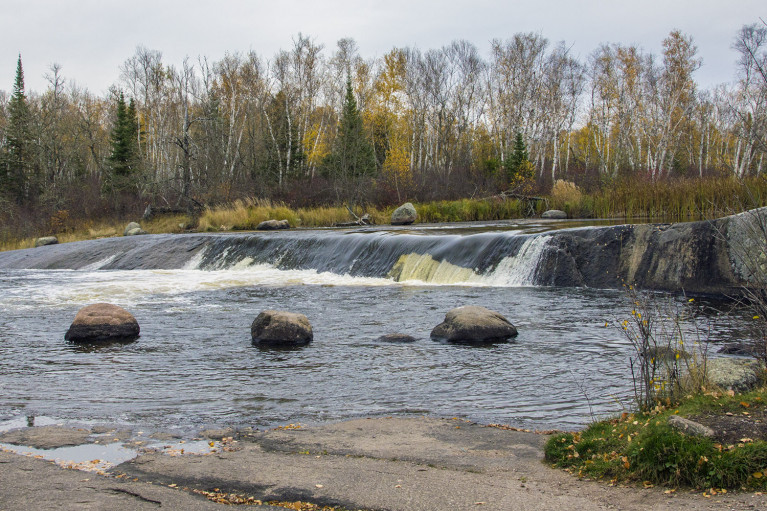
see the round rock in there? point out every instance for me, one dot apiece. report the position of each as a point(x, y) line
point(131, 227)
point(404, 215)
point(473, 324)
point(280, 328)
point(103, 322)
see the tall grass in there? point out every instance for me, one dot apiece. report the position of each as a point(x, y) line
point(673, 200)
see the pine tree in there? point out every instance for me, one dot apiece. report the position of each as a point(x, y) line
point(352, 156)
point(124, 162)
point(19, 147)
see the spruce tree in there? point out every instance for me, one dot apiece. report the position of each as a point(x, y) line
point(124, 160)
point(353, 156)
point(19, 147)
point(519, 169)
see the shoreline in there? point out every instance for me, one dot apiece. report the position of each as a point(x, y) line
point(407, 464)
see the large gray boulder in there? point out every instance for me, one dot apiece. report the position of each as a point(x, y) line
point(736, 374)
point(46, 240)
point(133, 229)
point(103, 322)
point(555, 214)
point(273, 225)
point(280, 328)
point(473, 324)
point(404, 215)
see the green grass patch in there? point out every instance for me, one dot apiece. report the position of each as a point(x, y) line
point(643, 447)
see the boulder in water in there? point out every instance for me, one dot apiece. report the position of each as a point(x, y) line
point(273, 225)
point(556, 214)
point(404, 215)
point(402, 338)
point(133, 229)
point(473, 324)
point(46, 240)
point(280, 328)
point(103, 322)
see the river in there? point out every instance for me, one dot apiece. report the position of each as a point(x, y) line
point(195, 297)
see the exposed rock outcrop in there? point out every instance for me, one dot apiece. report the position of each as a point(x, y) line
point(473, 324)
point(103, 322)
point(46, 240)
point(709, 257)
point(273, 225)
point(404, 215)
point(280, 328)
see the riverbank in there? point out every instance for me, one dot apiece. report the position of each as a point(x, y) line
point(407, 464)
point(635, 200)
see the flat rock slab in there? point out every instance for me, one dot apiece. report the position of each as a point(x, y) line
point(418, 464)
point(47, 437)
point(28, 483)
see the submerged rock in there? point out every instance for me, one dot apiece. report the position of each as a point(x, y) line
point(46, 240)
point(396, 338)
point(103, 322)
point(404, 215)
point(280, 328)
point(273, 225)
point(557, 214)
point(473, 324)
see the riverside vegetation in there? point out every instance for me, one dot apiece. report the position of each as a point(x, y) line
point(670, 379)
point(629, 199)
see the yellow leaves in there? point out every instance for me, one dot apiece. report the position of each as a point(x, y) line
point(626, 463)
point(757, 475)
point(755, 317)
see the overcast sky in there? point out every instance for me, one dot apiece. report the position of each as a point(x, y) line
point(90, 39)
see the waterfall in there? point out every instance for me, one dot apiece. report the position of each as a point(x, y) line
point(485, 259)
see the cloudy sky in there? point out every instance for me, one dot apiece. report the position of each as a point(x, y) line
point(90, 39)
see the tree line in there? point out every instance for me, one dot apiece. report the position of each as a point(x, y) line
point(309, 126)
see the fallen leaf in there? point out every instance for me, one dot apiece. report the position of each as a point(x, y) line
point(318, 486)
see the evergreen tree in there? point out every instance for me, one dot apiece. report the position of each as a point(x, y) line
point(519, 169)
point(352, 156)
point(124, 162)
point(19, 155)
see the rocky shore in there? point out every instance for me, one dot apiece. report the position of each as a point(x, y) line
point(369, 464)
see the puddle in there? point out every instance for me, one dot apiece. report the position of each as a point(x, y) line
point(88, 457)
point(105, 451)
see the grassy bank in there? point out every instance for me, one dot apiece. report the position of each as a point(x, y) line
point(644, 448)
point(634, 200)
point(106, 229)
point(668, 201)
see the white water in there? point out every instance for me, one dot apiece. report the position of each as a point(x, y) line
point(90, 285)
